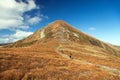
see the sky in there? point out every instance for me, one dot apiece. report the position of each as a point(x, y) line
point(21, 18)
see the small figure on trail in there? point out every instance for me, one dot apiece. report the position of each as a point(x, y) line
point(71, 56)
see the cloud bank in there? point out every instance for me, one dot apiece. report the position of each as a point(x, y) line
point(19, 34)
point(12, 17)
point(12, 13)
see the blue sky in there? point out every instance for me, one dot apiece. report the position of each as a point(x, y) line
point(99, 18)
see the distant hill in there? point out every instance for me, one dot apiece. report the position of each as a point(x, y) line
point(4, 44)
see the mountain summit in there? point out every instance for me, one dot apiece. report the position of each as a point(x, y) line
point(60, 31)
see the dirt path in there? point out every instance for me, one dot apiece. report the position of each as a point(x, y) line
point(103, 67)
point(58, 51)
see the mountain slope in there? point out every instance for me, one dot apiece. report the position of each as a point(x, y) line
point(60, 31)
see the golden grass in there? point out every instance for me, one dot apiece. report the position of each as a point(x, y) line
point(42, 62)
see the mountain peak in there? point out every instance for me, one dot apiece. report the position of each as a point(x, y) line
point(57, 24)
point(59, 21)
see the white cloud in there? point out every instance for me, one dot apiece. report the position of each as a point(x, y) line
point(12, 17)
point(34, 20)
point(19, 34)
point(11, 13)
point(24, 27)
point(4, 40)
point(91, 28)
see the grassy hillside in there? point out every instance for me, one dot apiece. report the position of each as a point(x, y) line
point(53, 62)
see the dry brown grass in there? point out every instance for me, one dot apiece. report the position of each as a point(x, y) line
point(44, 63)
